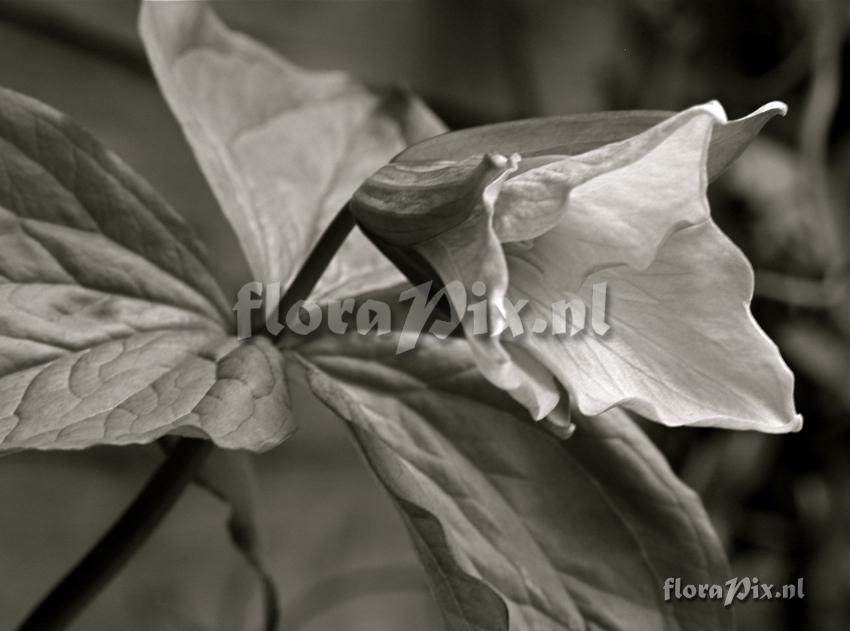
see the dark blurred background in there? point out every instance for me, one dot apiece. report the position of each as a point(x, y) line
point(780, 503)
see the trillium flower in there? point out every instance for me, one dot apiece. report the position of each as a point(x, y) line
point(630, 218)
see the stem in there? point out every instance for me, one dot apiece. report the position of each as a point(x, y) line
point(312, 270)
point(318, 260)
point(84, 581)
point(118, 545)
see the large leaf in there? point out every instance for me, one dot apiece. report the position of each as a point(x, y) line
point(282, 148)
point(111, 329)
point(517, 529)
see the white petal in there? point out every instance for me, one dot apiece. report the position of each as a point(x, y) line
point(682, 349)
point(615, 204)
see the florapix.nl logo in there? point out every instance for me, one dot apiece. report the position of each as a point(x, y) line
point(735, 589)
point(418, 309)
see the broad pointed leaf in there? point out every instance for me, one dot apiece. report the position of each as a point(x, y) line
point(517, 529)
point(283, 148)
point(111, 329)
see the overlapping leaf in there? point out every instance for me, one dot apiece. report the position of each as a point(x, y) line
point(283, 148)
point(111, 329)
point(518, 530)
